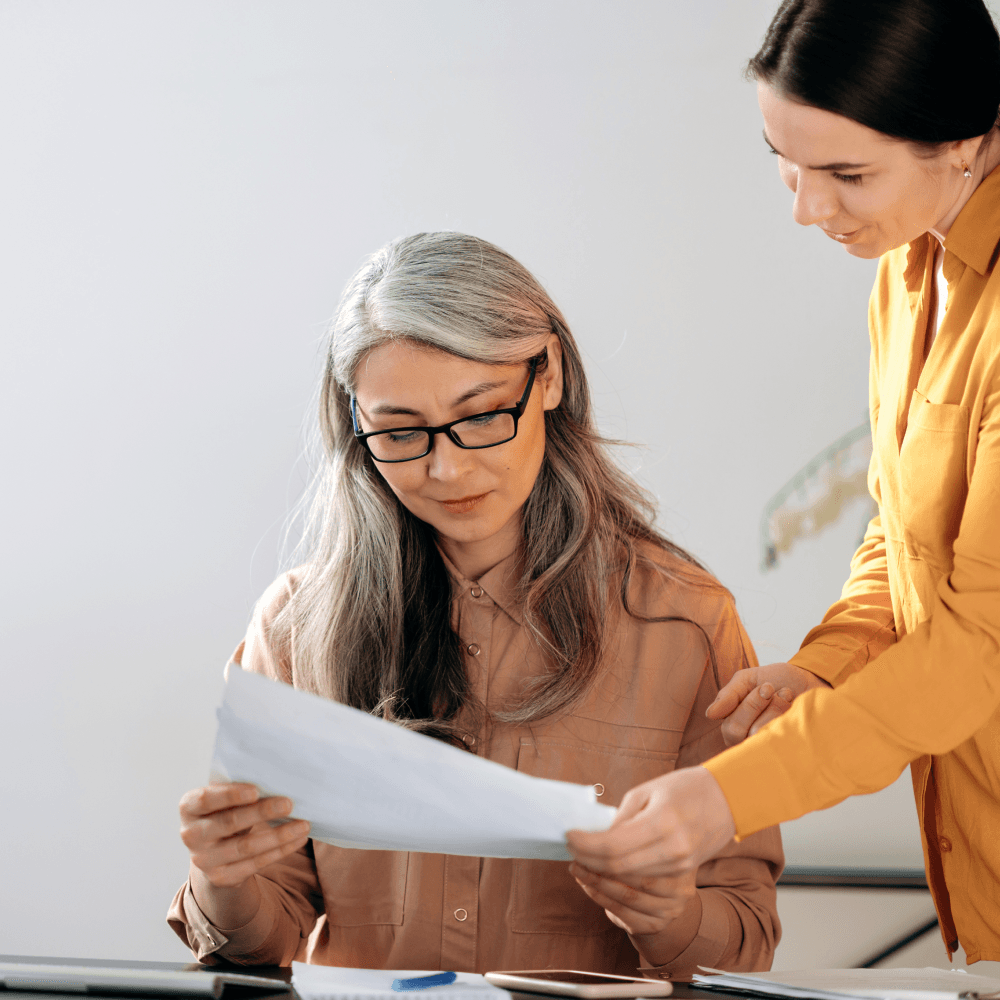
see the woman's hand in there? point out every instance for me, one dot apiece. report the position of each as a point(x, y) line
point(225, 828)
point(646, 908)
point(664, 829)
point(757, 695)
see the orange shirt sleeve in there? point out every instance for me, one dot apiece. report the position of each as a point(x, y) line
point(925, 694)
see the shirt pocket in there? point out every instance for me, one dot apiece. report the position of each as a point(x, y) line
point(545, 898)
point(933, 482)
point(362, 887)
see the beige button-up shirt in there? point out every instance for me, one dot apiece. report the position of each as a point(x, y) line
point(645, 715)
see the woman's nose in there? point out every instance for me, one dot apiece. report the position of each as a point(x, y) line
point(814, 201)
point(447, 460)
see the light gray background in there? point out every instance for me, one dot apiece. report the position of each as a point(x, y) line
point(185, 188)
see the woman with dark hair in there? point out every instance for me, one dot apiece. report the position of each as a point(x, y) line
point(883, 117)
point(477, 569)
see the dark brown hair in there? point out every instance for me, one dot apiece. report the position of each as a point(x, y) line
point(925, 71)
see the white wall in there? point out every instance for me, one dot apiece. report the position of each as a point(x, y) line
point(184, 189)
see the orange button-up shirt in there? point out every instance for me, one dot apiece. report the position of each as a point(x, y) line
point(912, 648)
point(644, 715)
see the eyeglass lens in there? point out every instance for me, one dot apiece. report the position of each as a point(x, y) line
point(479, 432)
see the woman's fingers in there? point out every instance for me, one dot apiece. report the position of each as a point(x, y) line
point(684, 820)
point(204, 801)
point(736, 727)
point(638, 910)
point(216, 826)
point(260, 840)
point(732, 695)
point(226, 828)
point(256, 854)
point(661, 896)
point(780, 703)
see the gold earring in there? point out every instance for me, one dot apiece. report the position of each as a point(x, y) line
point(967, 172)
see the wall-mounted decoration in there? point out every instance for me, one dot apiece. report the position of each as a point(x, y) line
point(818, 494)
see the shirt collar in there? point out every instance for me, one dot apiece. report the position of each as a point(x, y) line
point(499, 584)
point(973, 235)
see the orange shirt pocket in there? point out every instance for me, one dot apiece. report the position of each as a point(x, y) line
point(545, 898)
point(932, 478)
point(362, 887)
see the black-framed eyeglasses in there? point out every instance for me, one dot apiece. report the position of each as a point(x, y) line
point(481, 430)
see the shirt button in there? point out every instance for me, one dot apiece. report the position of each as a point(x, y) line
point(599, 789)
point(461, 914)
point(472, 649)
point(476, 591)
point(469, 740)
point(945, 844)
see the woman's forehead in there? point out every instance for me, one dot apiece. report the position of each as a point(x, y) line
point(402, 368)
point(813, 137)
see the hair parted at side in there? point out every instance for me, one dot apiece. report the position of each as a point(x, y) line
point(925, 71)
point(370, 623)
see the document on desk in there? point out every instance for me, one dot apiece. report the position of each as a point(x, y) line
point(327, 982)
point(856, 984)
point(366, 783)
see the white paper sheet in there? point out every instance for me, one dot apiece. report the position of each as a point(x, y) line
point(364, 782)
point(326, 982)
point(856, 984)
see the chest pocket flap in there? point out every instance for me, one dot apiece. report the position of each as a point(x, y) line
point(932, 478)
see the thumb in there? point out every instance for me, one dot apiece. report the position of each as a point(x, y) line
point(732, 694)
point(632, 804)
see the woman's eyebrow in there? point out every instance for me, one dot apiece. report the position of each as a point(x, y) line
point(825, 166)
point(477, 390)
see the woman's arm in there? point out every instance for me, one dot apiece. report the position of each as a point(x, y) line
point(926, 694)
point(252, 895)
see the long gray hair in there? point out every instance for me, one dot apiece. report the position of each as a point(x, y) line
point(370, 624)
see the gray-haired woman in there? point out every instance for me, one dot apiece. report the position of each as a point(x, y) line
point(478, 570)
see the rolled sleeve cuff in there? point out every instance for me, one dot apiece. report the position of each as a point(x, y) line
point(709, 945)
point(205, 939)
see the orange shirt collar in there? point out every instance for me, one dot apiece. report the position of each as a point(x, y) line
point(973, 236)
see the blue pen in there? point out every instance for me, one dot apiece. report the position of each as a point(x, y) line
point(423, 982)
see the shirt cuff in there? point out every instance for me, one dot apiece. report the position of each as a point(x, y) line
point(204, 938)
point(709, 944)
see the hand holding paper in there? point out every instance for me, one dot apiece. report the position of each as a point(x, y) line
point(363, 782)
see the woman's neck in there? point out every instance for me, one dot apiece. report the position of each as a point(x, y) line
point(476, 558)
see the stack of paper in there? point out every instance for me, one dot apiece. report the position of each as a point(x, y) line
point(326, 982)
point(866, 984)
point(364, 782)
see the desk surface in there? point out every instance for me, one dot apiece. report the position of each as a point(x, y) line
point(684, 991)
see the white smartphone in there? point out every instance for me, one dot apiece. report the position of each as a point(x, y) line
point(572, 983)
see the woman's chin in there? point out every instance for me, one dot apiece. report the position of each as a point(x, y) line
point(866, 251)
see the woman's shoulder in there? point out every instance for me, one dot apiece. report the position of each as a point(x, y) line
point(262, 650)
point(666, 585)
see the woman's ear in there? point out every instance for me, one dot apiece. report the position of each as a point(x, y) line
point(552, 378)
point(966, 151)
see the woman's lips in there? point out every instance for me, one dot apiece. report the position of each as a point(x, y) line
point(843, 237)
point(463, 504)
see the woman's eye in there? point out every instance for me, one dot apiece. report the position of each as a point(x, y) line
point(482, 420)
point(849, 178)
point(401, 437)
